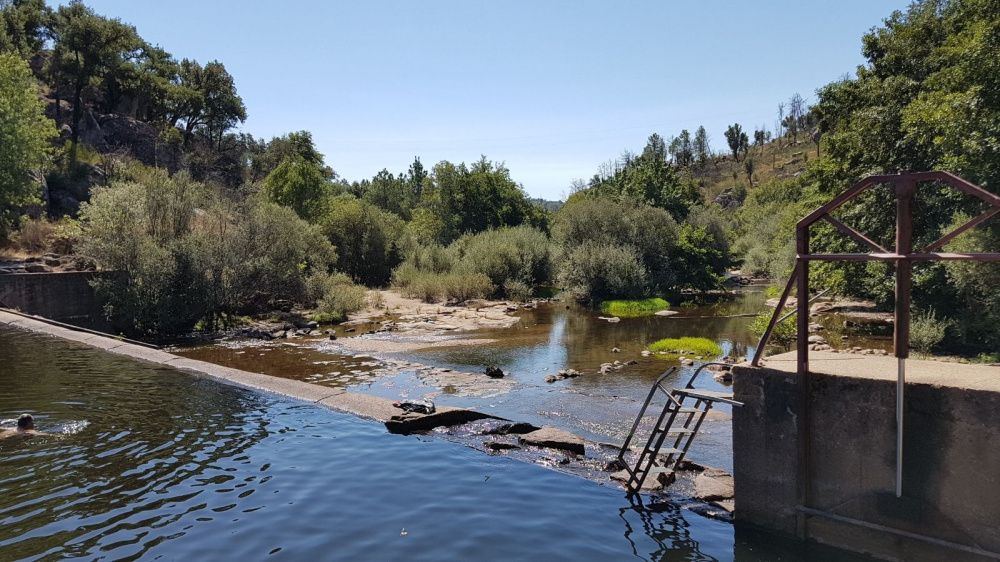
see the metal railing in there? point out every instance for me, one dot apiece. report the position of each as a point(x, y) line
point(905, 188)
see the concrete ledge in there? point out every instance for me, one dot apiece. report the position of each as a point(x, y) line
point(362, 405)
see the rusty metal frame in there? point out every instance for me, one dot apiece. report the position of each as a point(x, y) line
point(905, 188)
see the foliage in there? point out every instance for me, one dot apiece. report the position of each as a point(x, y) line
point(24, 136)
point(517, 291)
point(737, 140)
point(634, 308)
point(594, 271)
point(927, 331)
point(335, 295)
point(700, 347)
point(185, 255)
point(368, 240)
point(299, 184)
point(471, 199)
point(433, 287)
point(520, 255)
point(784, 333)
point(649, 178)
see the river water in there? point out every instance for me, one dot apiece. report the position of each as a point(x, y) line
point(149, 462)
point(552, 337)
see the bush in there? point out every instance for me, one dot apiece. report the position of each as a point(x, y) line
point(186, 254)
point(634, 308)
point(434, 287)
point(593, 271)
point(33, 235)
point(702, 347)
point(522, 254)
point(927, 331)
point(517, 291)
point(784, 333)
point(335, 295)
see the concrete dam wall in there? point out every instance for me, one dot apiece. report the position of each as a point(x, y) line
point(63, 296)
point(951, 468)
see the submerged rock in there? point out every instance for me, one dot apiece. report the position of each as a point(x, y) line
point(553, 438)
point(499, 445)
point(509, 428)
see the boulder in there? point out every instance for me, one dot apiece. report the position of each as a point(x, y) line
point(816, 339)
point(551, 379)
point(724, 377)
point(656, 479)
point(645, 353)
point(35, 268)
point(494, 372)
point(553, 438)
point(665, 312)
point(615, 350)
point(612, 319)
point(713, 484)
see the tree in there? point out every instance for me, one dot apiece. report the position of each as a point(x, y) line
point(25, 133)
point(368, 239)
point(390, 193)
point(748, 167)
point(738, 141)
point(299, 184)
point(796, 114)
point(86, 46)
point(759, 138)
point(23, 26)
point(266, 156)
point(702, 150)
point(205, 99)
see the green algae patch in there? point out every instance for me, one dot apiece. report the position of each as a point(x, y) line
point(671, 348)
point(634, 308)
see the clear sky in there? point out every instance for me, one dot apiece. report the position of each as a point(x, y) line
point(551, 88)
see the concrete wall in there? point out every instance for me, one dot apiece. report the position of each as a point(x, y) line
point(66, 297)
point(951, 453)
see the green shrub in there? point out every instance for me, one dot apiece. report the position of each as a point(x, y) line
point(702, 347)
point(634, 308)
point(594, 271)
point(517, 291)
point(521, 254)
point(927, 331)
point(186, 254)
point(784, 333)
point(466, 286)
point(336, 295)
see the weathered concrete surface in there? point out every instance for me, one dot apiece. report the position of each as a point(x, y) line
point(64, 296)
point(951, 455)
point(362, 405)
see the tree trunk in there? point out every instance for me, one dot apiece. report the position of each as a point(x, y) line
point(77, 114)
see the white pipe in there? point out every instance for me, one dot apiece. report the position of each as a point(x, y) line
point(900, 386)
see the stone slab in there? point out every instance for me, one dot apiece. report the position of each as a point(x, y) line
point(554, 438)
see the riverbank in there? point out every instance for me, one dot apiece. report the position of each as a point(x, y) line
point(548, 446)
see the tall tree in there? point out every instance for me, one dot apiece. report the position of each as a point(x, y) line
point(702, 150)
point(205, 99)
point(737, 140)
point(25, 134)
point(23, 25)
point(86, 46)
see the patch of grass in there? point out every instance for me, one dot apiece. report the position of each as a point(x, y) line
point(690, 346)
point(634, 308)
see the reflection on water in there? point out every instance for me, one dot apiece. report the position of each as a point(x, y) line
point(176, 467)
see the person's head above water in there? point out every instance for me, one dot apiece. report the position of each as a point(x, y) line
point(26, 422)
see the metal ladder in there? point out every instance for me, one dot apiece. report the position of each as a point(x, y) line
point(679, 420)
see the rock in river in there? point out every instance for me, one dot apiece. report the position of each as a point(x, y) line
point(713, 484)
point(494, 372)
point(554, 439)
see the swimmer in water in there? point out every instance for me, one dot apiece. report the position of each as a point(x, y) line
point(25, 428)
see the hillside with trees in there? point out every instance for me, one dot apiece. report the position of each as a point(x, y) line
point(126, 155)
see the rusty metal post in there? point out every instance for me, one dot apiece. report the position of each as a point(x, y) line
point(905, 190)
point(802, 350)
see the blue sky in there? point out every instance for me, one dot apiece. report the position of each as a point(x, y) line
point(551, 88)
